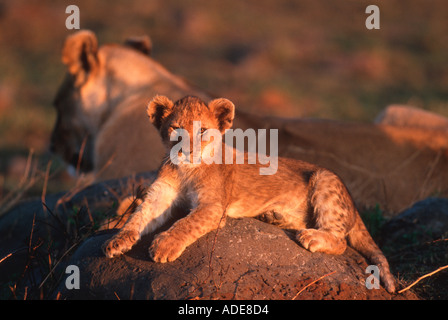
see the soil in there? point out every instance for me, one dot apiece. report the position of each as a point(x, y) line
point(247, 259)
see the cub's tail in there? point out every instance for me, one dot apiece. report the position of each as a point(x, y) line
point(360, 240)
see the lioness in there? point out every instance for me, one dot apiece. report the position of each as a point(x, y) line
point(100, 127)
point(406, 116)
point(300, 196)
point(98, 106)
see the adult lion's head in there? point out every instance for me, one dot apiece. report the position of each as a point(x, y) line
point(97, 79)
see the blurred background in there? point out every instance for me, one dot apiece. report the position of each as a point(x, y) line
point(290, 58)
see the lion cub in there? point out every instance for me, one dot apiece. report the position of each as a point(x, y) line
point(299, 196)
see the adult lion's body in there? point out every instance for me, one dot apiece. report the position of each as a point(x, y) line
point(101, 120)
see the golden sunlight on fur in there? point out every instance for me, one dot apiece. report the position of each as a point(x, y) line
point(301, 196)
point(101, 126)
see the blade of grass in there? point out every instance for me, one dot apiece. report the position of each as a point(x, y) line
point(421, 278)
point(310, 284)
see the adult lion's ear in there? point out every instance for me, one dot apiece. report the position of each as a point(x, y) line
point(158, 109)
point(79, 54)
point(224, 111)
point(140, 43)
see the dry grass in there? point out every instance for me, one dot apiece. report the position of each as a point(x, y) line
point(311, 283)
point(26, 182)
point(421, 278)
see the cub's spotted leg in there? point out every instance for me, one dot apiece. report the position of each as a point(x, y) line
point(333, 214)
point(153, 212)
point(336, 219)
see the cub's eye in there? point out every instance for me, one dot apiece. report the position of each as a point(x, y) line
point(174, 127)
point(203, 130)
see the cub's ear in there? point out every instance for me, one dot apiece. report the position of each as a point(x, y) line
point(158, 109)
point(141, 43)
point(224, 111)
point(79, 54)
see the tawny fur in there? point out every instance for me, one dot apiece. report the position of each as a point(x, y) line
point(407, 116)
point(102, 99)
point(301, 196)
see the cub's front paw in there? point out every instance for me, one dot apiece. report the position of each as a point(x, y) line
point(120, 243)
point(166, 248)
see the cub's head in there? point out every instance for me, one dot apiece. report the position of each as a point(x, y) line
point(96, 79)
point(190, 118)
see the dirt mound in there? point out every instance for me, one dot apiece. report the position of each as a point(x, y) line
point(425, 221)
point(247, 259)
point(416, 244)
